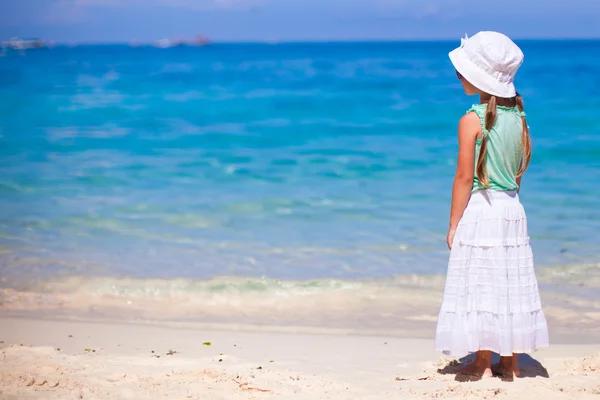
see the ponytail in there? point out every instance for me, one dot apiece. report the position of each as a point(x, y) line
point(491, 113)
point(526, 139)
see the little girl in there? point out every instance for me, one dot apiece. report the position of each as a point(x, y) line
point(491, 300)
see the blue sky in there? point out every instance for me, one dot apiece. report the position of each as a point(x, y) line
point(282, 20)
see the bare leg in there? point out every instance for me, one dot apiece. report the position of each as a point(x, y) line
point(481, 367)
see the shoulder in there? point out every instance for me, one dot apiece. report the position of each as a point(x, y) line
point(477, 110)
point(470, 118)
point(469, 126)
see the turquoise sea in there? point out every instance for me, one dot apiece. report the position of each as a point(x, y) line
point(312, 162)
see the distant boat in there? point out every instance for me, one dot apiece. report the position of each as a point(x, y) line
point(23, 44)
point(162, 43)
point(197, 41)
point(201, 41)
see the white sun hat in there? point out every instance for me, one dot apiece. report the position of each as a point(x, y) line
point(489, 61)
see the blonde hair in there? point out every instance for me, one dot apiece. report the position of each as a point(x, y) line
point(491, 113)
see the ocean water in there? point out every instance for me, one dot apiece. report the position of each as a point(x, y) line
point(319, 163)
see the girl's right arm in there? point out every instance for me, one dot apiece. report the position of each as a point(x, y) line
point(469, 128)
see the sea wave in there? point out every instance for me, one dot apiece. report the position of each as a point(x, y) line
point(403, 304)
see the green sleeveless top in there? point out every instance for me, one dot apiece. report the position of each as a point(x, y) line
point(504, 148)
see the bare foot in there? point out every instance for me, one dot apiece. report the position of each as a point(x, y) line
point(507, 369)
point(475, 371)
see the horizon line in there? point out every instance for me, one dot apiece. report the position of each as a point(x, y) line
point(190, 43)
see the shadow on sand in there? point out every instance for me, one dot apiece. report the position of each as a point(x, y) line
point(528, 366)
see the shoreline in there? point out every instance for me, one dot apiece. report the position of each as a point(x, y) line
point(116, 360)
point(402, 306)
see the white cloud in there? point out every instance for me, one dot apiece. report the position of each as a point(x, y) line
point(182, 4)
point(419, 9)
point(390, 5)
point(63, 11)
point(428, 11)
point(77, 11)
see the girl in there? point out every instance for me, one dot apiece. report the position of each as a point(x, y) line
point(491, 300)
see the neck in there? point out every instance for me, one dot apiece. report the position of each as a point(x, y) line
point(501, 101)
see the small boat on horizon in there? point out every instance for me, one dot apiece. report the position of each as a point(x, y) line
point(198, 41)
point(23, 44)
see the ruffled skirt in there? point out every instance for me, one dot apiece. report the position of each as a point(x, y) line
point(491, 298)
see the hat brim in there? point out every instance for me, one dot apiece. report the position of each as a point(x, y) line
point(478, 77)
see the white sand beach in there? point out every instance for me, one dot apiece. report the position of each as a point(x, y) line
point(43, 359)
point(266, 217)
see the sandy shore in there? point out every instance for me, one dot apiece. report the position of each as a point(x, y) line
point(65, 359)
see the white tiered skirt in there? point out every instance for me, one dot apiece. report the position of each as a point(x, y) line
point(491, 298)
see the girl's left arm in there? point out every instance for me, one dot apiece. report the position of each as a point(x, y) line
point(469, 128)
